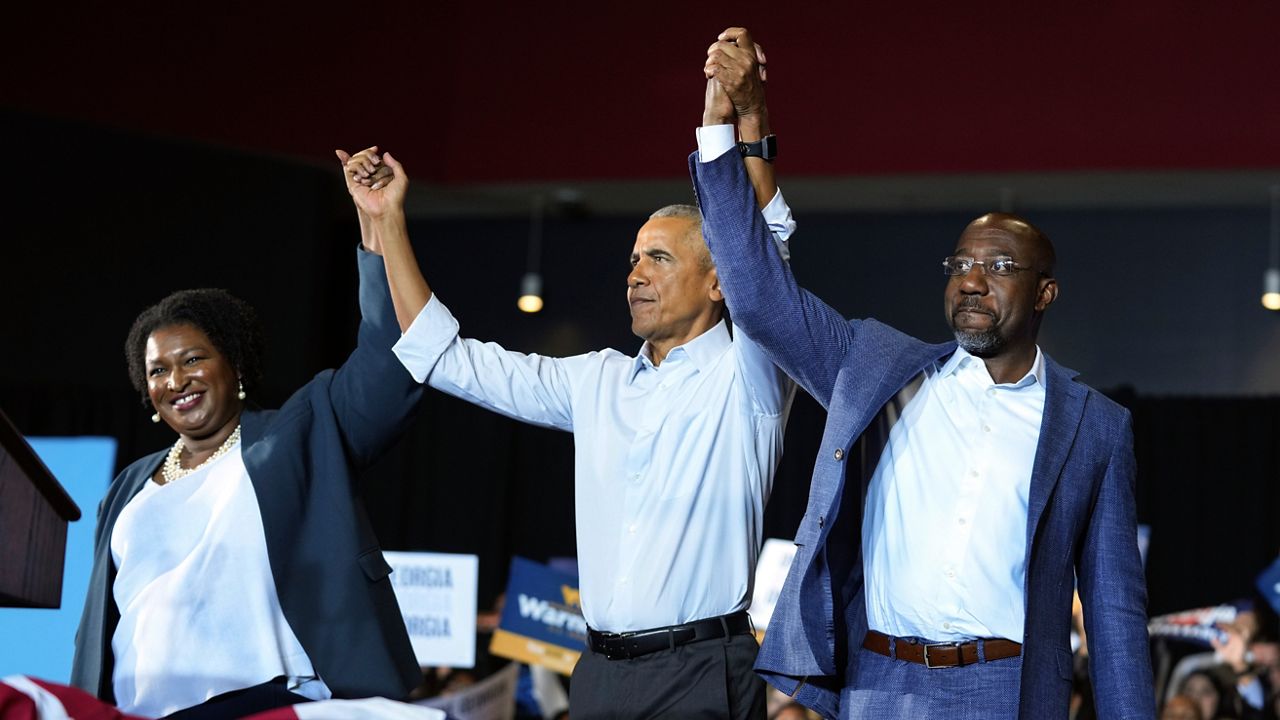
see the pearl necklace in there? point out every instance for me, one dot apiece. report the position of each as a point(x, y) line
point(173, 469)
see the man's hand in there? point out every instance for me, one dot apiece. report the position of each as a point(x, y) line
point(377, 183)
point(737, 64)
point(717, 108)
point(1232, 652)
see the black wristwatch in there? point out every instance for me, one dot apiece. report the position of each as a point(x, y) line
point(766, 148)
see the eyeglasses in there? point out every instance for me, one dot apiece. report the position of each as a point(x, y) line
point(960, 265)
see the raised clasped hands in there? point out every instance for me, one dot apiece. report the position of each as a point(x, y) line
point(377, 182)
point(736, 76)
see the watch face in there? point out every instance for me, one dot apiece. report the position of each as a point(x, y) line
point(770, 147)
point(766, 148)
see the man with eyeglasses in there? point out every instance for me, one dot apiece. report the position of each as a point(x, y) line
point(994, 484)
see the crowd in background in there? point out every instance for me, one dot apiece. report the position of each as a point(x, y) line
point(1235, 678)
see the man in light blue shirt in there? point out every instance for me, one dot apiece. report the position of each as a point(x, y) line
point(675, 451)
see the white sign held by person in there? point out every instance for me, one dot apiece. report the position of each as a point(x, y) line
point(771, 573)
point(437, 596)
point(493, 698)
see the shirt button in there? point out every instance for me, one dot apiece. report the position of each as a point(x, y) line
point(972, 473)
point(839, 453)
point(951, 574)
point(991, 392)
point(631, 529)
point(986, 428)
point(946, 626)
point(635, 477)
point(962, 521)
point(622, 581)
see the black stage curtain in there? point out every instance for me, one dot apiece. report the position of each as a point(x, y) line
point(469, 481)
point(124, 219)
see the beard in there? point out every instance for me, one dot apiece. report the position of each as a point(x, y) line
point(984, 343)
point(979, 343)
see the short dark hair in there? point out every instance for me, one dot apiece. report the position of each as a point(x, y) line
point(231, 324)
point(692, 214)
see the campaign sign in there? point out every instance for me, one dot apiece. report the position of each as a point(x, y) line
point(1198, 627)
point(542, 621)
point(1269, 584)
point(437, 596)
point(771, 574)
point(493, 698)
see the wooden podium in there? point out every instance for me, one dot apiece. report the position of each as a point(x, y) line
point(34, 512)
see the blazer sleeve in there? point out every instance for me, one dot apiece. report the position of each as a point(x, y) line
point(372, 394)
point(804, 336)
point(1114, 593)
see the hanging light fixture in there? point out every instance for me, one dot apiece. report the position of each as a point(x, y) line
point(1271, 279)
point(531, 284)
point(530, 293)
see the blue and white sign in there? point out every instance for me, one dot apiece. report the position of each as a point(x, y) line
point(1268, 583)
point(437, 596)
point(542, 621)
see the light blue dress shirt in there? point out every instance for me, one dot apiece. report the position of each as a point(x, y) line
point(944, 528)
point(673, 463)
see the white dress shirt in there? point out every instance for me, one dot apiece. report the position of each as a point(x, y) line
point(944, 527)
point(673, 463)
point(199, 614)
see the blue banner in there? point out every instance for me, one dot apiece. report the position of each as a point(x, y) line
point(542, 621)
point(1269, 584)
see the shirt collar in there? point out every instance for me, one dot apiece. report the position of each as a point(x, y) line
point(701, 351)
point(961, 359)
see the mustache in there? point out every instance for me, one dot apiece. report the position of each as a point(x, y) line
point(972, 304)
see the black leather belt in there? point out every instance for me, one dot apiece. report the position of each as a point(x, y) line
point(628, 645)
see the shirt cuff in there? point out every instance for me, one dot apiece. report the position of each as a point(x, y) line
point(714, 141)
point(430, 334)
point(777, 215)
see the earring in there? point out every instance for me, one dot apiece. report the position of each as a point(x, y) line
point(240, 394)
point(155, 418)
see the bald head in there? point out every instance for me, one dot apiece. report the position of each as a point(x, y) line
point(1036, 248)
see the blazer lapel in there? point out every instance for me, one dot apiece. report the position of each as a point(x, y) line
point(1063, 410)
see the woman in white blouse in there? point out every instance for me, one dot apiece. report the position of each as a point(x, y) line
point(236, 571)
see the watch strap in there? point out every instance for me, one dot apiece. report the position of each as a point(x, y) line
point(766, 148)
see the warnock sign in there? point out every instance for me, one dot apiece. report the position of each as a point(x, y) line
point(542, 621)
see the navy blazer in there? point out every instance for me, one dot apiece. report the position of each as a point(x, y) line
point(1081, 517)
point(303, 461)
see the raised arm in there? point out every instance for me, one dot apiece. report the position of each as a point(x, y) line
point(736, 76)
point(531, 388)
point(804, 336)
point(379, 199)
point(371, 394)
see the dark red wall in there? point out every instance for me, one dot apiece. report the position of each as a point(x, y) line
point(491, 92)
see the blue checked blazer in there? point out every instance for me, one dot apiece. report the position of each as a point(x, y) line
point(1081, 519)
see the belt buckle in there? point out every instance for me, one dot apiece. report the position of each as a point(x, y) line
point(931, 666)
point(611, 645)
